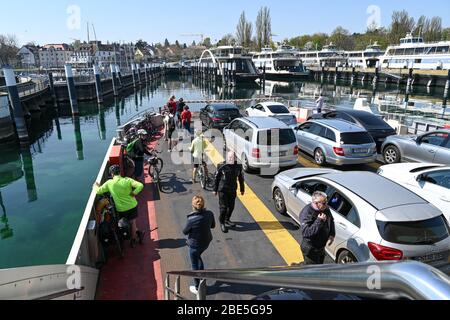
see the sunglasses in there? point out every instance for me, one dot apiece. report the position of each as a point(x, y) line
point(321, 202)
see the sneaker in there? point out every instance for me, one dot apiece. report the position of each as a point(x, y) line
point(224, 228)
point(140, 235)
point(193, 289)
point(230, 223)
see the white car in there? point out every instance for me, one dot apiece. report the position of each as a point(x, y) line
point(428, 180)
point(274, 110)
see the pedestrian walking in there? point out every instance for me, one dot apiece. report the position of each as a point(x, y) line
point(198, 229)
point(172, 105)
point(186, 117)
point(318, 229)
point(319, 104)
point(136, 151)
point(225, 187)
point(180, 109)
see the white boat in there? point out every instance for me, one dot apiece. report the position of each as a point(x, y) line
point(368, 58)
point(413, 52)
point(329, 56)
point(362, 104)
point(282, 64)
point(231, 58)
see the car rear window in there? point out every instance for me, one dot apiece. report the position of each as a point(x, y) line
point(278, 109)
point(356, 138)
point(227, 112)
point(276, 137)
point(371, 121)
point(415, 232)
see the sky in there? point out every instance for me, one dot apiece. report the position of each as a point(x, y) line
point(50, 21)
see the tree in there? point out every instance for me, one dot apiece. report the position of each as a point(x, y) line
point(193, 44)
point(166, 43)
point(184, 46)
point(207, 43)
point(342, 39)
point(8, 49)
point(244, 31)
point(446, 34)
point(177, 44)
point(263, 28)
point(401, 24)
point(227, 40)
point(141, 44)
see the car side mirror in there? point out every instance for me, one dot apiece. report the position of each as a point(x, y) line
point(293, 189)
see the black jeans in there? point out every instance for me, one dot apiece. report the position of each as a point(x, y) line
point(227, 202)
point(197, 264)
point(311, 254)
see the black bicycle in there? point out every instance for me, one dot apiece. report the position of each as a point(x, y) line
point(156, 165)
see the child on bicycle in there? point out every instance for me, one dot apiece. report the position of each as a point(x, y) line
point(197, 149)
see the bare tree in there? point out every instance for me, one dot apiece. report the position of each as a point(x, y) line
point(244, 31)
point(8, 49)
point(342, 39)
point(401, 24)
point(435, 31)
point(263, 28)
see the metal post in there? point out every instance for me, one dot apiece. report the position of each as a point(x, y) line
point(6, 122)
point(119, 77)
point(98, 84)
point(78, 137)
point(19, 119)
point(72, 89)
point(146, 72)
point(177, 288)
point(52, 89)
point(446, 90)
point(133, 71)
point(138, 70)
point(166, 289)
point(114, 80)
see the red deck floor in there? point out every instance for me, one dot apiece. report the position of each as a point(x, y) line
point(138, 276)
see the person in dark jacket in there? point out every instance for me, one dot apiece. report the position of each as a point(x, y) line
point(180, 109)
point(198, 229)
point(225, 187)
point(139, 150)
point(318, 228)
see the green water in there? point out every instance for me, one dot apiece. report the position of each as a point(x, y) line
point(44, 187)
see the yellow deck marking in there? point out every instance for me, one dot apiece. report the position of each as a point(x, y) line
point(282, 240)
point(307, 163)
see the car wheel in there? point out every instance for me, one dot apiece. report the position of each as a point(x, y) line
point(319, 157)
point(346, 257)
point(245, 164)
point(391, 155)
point(280, 204)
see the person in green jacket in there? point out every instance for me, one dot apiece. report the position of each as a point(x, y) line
point(124, 192)
point(197, 149)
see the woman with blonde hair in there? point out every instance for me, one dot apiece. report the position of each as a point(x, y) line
point(198, 229)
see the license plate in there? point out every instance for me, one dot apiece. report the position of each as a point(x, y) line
point(360, 150)
point(283, 153)
point(382, 139)
point(430, 257)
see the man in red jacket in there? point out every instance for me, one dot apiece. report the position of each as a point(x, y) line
point(172, 104)
point(186, 117)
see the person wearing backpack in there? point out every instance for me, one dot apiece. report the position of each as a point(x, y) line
point(124, 192)
point(136, 150)
point(171, 127)
point(225, 186)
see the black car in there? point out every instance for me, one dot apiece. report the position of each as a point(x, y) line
point(377, 128)
point(219, 115)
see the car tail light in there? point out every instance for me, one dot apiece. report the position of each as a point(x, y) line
point(339, 151)
point(382, 253)
point(256, 153)
point(216, 119)
point(296, 151)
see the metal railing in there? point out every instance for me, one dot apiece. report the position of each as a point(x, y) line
point(381, 280)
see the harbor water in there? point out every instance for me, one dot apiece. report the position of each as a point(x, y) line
point(44, 187)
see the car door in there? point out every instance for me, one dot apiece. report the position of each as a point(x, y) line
point(230, 135)
point(443, 154)
point(243, 140)
point(436, 182)
point(346, 219)
point(259, 111)
point(428, 146)
point(306, 136)
point(301, 195)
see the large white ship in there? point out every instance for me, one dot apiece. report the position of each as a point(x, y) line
point(329, 56)
point(368, 58)
point(413, 52)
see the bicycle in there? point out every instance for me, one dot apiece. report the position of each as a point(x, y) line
point(156, 165)
point(202, 175)
point(108, 225)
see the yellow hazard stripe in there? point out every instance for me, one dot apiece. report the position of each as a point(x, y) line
point(286, 245)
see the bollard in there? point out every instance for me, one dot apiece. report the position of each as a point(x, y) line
point(119, 77)
point(52, 89)
point(7, 131)
point(138, 70)
point(133, 71)
point(98, 84)
point(72, 89)
point(19, 119)
point(27, 160)
point(114, 80)
point(78, 137)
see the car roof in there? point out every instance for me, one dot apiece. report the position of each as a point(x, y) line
point(271, 103)
point(354, 113)
point(223, 106)
point(380, 192)
point(265, 122)
point(340, 125)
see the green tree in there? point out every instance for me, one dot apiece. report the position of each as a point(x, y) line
point(166, 43)
point(342, 39)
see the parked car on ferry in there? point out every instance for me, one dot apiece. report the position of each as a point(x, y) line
point(375, 218)
point(428, 180)
point(377, 127)
point(262, 143)
point(336, 142)
point(219, 115)
point(273, 109)
point(431, 147)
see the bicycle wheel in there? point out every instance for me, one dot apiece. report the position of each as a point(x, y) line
point(159, 165)
point(118, 245)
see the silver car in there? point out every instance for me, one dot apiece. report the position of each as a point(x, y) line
point(336, 142)
point(375, 218)
point(431, 147)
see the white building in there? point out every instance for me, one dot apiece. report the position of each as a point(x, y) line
point(29, 56)
point(54, 55)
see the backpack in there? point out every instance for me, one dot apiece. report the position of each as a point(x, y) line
point(171, 123)
point(130, 148)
